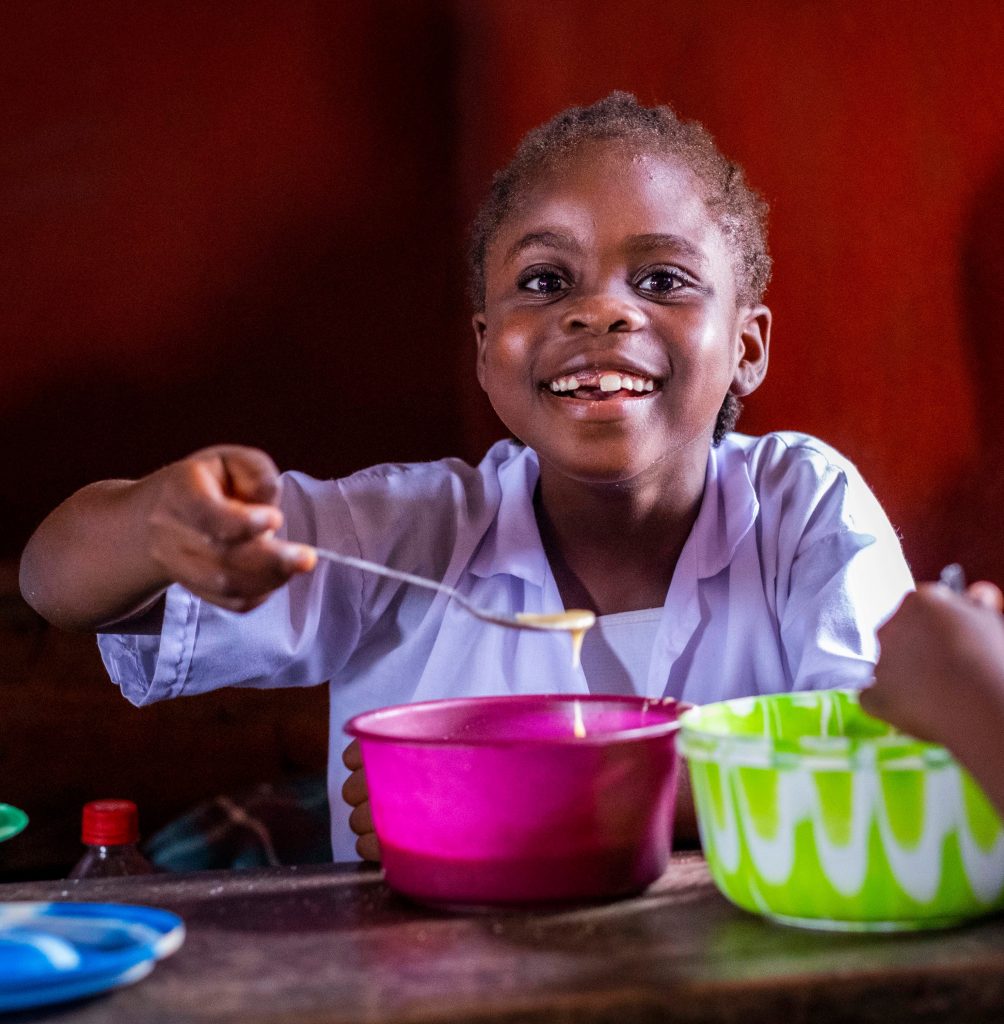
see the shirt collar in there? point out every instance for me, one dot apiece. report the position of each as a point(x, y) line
point(512, 544)
point(728, 509)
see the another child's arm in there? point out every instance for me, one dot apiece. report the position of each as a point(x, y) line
point(940, 676)
point(108, 553)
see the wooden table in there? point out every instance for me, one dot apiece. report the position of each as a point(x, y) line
point(333, 944)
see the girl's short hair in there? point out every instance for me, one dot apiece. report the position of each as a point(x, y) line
point(739, 211)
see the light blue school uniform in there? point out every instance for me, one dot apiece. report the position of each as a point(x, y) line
point(788, 571)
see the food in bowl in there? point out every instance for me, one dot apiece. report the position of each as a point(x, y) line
point(521, 799)
point(813, 813)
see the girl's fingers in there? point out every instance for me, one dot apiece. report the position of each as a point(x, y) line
point(356, 795)
point(233, 521)
point(352, 756)
point(248, 474)
point(211, 531)
point(355, 791)
point(360, 820)
point(199, 498)
point(238, 578)
point(368, 847)
point(228, 493)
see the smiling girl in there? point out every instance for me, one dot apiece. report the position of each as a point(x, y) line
point(618, 270)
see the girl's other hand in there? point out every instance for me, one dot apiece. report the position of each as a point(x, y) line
point(211, 520)
point(356, 794)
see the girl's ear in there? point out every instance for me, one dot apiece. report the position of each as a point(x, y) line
point(752, 346)
point(480, 331)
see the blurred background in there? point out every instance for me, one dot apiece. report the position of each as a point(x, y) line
point(245, 222)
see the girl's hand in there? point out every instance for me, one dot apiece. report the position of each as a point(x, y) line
point(210, 525)
point(941, 669)
point(356, 794)
point(104, 557)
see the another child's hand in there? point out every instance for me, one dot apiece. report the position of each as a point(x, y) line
point(210, 524)
point(941, 668)
point(356, 794)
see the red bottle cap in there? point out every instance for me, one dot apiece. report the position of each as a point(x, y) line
point(110, 823)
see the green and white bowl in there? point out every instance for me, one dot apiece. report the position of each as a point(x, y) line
point(813, 813)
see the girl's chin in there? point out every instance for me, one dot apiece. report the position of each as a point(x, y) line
point(613, 470)
point(624, 462)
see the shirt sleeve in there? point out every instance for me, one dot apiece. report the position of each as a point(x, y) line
point(841, 572)
point(286, 641)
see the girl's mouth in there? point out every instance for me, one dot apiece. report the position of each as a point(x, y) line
point(600, 385)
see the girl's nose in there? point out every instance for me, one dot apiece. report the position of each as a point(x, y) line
point(602, 313)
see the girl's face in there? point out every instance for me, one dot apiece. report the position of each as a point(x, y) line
point(610, 334)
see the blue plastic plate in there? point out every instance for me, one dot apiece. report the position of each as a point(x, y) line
point(51, 952)
point(11, 821)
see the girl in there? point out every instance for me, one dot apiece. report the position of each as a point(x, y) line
point(618, 270)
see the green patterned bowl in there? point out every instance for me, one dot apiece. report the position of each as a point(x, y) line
point(815, 814)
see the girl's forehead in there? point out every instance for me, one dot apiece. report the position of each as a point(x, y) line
point(606, 189)
point(598, 164)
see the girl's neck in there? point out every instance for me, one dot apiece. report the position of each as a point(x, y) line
point(614, 547)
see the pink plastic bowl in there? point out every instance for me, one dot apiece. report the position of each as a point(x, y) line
point(495, 800)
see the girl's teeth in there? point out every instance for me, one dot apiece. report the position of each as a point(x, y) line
point(615, 381)
point(608, 382)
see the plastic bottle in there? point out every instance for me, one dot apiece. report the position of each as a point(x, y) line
point(110, 831)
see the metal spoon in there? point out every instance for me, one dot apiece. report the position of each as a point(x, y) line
point(575, 621)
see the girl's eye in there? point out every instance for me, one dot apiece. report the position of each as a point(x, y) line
point(543, 282)
point(661, 282)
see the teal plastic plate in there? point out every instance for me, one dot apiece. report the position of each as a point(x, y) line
point(12, 821)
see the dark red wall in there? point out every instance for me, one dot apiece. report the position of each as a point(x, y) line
point(225, 222)
point(244, 222)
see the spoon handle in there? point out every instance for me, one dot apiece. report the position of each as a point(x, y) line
point(544, 623)
point(394, 574)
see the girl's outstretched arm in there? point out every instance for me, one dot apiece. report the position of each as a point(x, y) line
point(108, 553)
